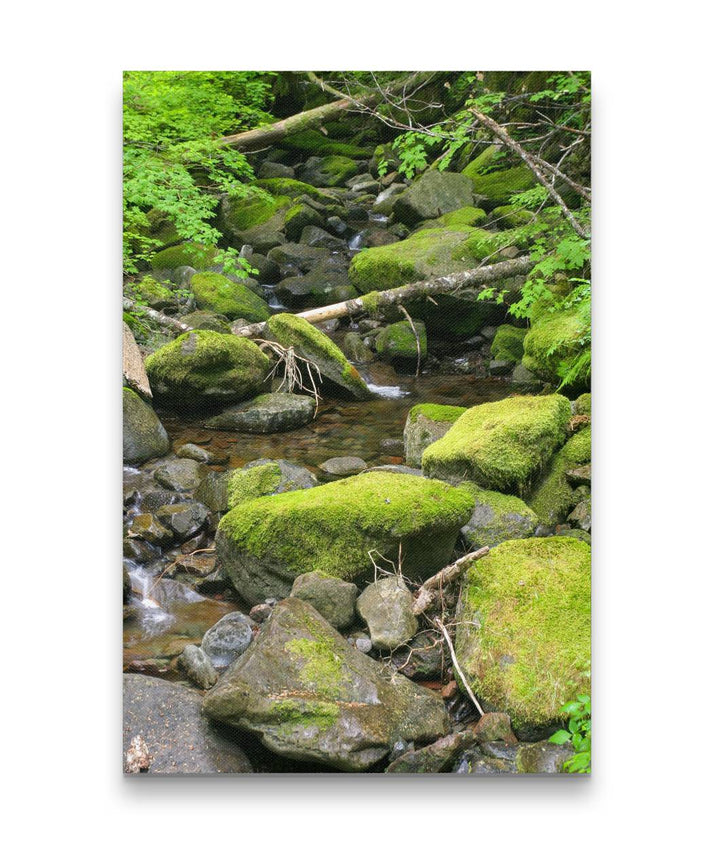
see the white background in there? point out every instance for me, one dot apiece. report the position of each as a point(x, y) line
point(655, 431)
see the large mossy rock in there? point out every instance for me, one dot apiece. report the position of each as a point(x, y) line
point(310, 696)
point(237, 215)
point(309, 343)
point(425, 424)
point(553, 342)
point(435, 193)
point(217, 293)
point(265, 543)
point(501, 445)
point(266, 414)
point(194, 255)
point(523, 632)
point(179, 738)
point(144, 436)
point(397, 344)
point(497, 517)
point(206, 369)
point(554, 496)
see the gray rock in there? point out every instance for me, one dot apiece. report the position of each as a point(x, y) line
point(143, 434)
point(386, 199)
point(297, 256)
point(266, 414)
point(298, 219)
point(436, 758)
point(197, 666)
point(202, 456)
point(433, 194)
point(497, 517)
point(134, 374)
point(269, 169)
point(213, 491)
point(329, 171)
point(386, 607)
point(334, 599)
point(424, 425)
point(184, 518)
point(314, 236)
point(226, 640)
point(337, 225)
point(181, 475)
point(542, 757)
point(149, 528)
point(266, 477)
point(348, 465)
point(423, 658)
point(180, 740)
point(313, 697)
point(473, 763)
point(581, 515)
point(494, 727)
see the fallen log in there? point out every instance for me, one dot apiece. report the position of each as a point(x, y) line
point(378, 300)
point(162, 319)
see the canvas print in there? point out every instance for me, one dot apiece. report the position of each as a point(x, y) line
point(356, 422)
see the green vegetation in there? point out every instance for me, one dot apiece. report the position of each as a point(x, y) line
point(578, 733)
point(553, 497)
point(436, 412)
point(217, 293)
point(246, 484)
point(523, 638)
point(508, 343)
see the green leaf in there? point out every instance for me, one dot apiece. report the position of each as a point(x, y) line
point(561, 736)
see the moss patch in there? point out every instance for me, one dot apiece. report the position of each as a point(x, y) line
point(217, 293)
point(552, 499)
point(501, 445)
point(523, 638)
point(397, 342)
point(322, 671)
point(252, 210)
point(246, 484)
point(553, 341)
point(582, 405)
point(508, 343)
point(315, 143)
point(436, 412)
point(496, 188)
point(194, 255)
point(292, 188)
point(463, 217)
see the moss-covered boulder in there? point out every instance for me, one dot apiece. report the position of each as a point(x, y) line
point(497, 517)
point(307, 341)
point(298, 216)
point(328, 171)
point(265, 543)
point(582, 406)
point(523, 632)
point(553, 342)
point(311, 696)
point(397, 343)
point(144, 436)
point(238, 214)
point(156, 294)
point(501, 445)
point(266, 414)
point(427, 253)
point(496, 188)
point(435, 193)
point(425, 424)
point(194, 255)
point(554, 496)
point(202, 319)
point(205, 369)
point(510, 217)
point(266, 478)
point(292, 189)
point(461, 218)
point(219, 294)
point(507, 344)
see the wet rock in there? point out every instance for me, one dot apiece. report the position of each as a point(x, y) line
point(206, 369)
point(269, 169)
point(500, 751)
point(497, 517)
point(184, 518)
point(197, 666)
point(299, 218)
point(144, 436)
point(423, 658)
point(265, 477)
point(314, 236)
point(392, 446)
point(494, 727)
point(348, 465)
point(266, 414)
point(198, 565)
point(148, 528)
point(433, 194)
point(425, 424)
point(311, 696)
point(356, 349)
point(260, 612)
point(297, 257)
point(334, 599)
point(265, 543)
point(180, 475)
point(386, 606)
point(139, 551)
point(203, 319)
point(580, 475)
point(155, 498)
point(525, 380)
point(436, 758)
point(226, 640)
point(542, 757)
point(328, 171)
point(179, 739)
point(500, 368)
point(581, 515)
point(337, 225)
point(386, 198)
point(473, 763)
point(202, 456)
point(397, 343)
point(213, 491)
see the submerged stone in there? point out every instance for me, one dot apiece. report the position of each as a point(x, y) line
point(265, 543)
point(313, 697)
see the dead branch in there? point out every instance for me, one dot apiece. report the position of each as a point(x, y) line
point(459, 671)
point(158, 317)
point(428, 592)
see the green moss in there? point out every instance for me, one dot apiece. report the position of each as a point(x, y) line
point(371, 303)
point(582, 405)
point(480, 243)
point(501, 445)
point(195, 255)
point(292, 188)
point(335, 169)
point(552, 342)
point(331, 528)
point(436, 412)
point(253, 209)
point(315, 143)
point(426, 253)
point(491, 155)
point(246, 484)
point(552, 499)
point(511, 217)
point(322, 671)
point(398, 342)
point(217, 293)
point(300, 713)
point(204, 366)
point(154, 293)
point(523, 637)
point(462, 217)
point(508, 343)
point(496, 188)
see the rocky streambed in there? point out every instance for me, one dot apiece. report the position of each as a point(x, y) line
point(274, 544)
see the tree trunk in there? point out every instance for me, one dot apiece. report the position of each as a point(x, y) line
point(378, 300)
